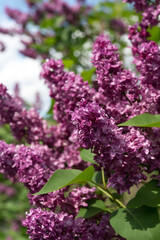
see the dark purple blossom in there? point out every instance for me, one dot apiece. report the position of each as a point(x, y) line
point(48, 225)
point(140, 5)
point(66, 202)
point(96, 131)
point(139, 33)
point(8, 106)
point(66, 88)
point(29, 165)
point(115, 83)
point(148, 63)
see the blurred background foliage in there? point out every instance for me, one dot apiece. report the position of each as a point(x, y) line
point(66, 35)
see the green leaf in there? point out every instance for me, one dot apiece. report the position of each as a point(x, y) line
point(68, 63)
point(50, 111)
point(143, 120)
point(95, 206)
point(87, 75)
point(87, 156)
point(148, 195)
point(97, 177)
point(50, 41)
point(65, 177)
point(138, 223)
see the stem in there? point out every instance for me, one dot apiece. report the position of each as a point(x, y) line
point(107, 192)
point(103, 178)
point(127, 99)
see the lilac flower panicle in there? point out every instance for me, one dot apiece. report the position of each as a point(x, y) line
point(71, 204)
point(29, 165)
point(17, 15)
point(114, 82)
point(139, 32)
point(66, 88)
point(96, 131)
point(48, 225)
point(86, 117)
point(7, 106)
point(148, 63)
point(141, 5)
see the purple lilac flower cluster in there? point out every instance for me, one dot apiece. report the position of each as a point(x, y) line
point(141, 5)
point(87, 117)
point(33, 166)
point(17, 15)
point(118, 88)
point(139, 33)
point(114, 82)
point(148, 63)
point(48, 225)
point(97, 132)
point(66, 88)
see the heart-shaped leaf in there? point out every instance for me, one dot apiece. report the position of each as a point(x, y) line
point(148, 195)
point(137, 223)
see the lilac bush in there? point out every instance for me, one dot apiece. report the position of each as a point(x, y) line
point(86, 117)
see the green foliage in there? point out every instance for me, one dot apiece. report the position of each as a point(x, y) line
point(87, 156)
point(94, 207)
point(64, 177)
point(148, 195)
point(143, 120)
point(138, 223)
point(87, 75)
point(155, 34)
point(97, 177)
point(6, 135)
point(68, 63)
point(12, 211)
